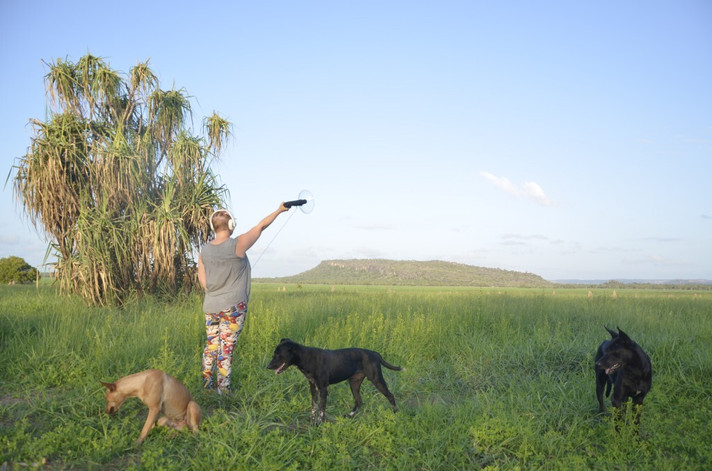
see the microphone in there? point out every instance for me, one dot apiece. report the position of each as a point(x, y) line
point(289, 204)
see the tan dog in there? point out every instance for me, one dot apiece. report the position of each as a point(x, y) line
point(160, 392)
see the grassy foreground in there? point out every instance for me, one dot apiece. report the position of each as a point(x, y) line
point(496, 379)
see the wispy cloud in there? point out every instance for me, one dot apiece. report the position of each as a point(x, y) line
point(521, 239)
point(528, 239)
point(662, 239)
point(368, 225)
point(365, 252)
point(529, 190)
point(611, 250)
point(692, 140)
point(654, 260)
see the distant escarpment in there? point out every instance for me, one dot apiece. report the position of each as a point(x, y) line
point(411, 273)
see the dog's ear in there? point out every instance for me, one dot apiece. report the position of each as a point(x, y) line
point(613, 333)
point(284, 340)
point(623, 336)
point(110, 386)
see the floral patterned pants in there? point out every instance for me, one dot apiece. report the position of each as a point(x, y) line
point(222, 330)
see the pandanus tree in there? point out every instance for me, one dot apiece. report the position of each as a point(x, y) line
point(118, 182)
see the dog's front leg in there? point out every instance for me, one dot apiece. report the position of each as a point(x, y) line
point(315, 400)
point(637, 409)
point(618, 401)
point(601, 382)
point(620, 407)
point(321, 409)
point(150, 422)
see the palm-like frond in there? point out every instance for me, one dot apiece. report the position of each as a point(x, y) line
point(218, 130)
point(167, 113)
point(142, 78)
point(62, 86)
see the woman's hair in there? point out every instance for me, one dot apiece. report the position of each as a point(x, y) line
point(222, 219)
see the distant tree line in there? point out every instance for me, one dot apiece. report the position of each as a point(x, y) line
point(613, 284)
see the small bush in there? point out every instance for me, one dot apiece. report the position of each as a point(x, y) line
point(16, 270)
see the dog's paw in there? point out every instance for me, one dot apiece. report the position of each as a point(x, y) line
point(319, 419)
point(164, 422)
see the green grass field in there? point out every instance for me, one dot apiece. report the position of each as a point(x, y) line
point(496, 379)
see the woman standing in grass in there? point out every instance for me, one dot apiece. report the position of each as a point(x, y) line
point(225, 274)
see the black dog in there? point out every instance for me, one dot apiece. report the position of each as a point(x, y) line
point(325, 367)
point(620, 362)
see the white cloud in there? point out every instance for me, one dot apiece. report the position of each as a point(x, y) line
point(534, 191)
point(501, 183)
point(529, 190)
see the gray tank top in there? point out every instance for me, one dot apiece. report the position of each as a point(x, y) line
point(227, 277)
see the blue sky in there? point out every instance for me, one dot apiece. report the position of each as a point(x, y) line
point(566, 139)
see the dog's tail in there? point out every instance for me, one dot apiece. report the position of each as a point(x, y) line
point(389, 366)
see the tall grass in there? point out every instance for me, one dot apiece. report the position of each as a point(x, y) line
point(497, 379)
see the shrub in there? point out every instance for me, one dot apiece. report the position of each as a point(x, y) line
point(16, 270)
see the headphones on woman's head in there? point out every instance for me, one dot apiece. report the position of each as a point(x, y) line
point(230, 223)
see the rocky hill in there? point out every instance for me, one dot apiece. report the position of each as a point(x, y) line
point(410, 273)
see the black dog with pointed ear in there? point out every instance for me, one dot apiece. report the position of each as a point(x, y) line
point(324, 367)
point(623, 364)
